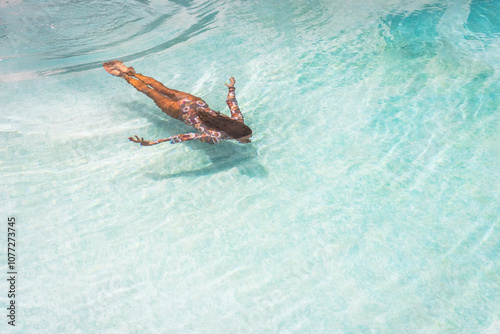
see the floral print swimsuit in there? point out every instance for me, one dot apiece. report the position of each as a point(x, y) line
point(189, 115)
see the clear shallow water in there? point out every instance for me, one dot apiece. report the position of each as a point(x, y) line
point(367, 202)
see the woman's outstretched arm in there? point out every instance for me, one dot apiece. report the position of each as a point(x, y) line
point(177, 139)
point(231, 101)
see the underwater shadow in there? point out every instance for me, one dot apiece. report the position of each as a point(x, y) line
point(223, 157)
point(155, 116)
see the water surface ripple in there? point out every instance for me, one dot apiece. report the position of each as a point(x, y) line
point(53, 37)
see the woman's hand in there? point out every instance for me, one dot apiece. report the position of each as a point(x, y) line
point(231, 82)
point(141, 141)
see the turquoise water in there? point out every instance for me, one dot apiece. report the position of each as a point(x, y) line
point(368, 201)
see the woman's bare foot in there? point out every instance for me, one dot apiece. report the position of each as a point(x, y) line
point(116, 68)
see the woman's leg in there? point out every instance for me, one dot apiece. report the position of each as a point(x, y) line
point(173, 94)
point(168, 106)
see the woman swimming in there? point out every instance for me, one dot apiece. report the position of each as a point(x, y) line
point(213, 126)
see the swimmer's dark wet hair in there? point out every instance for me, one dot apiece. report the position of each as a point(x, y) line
point(235, 129)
